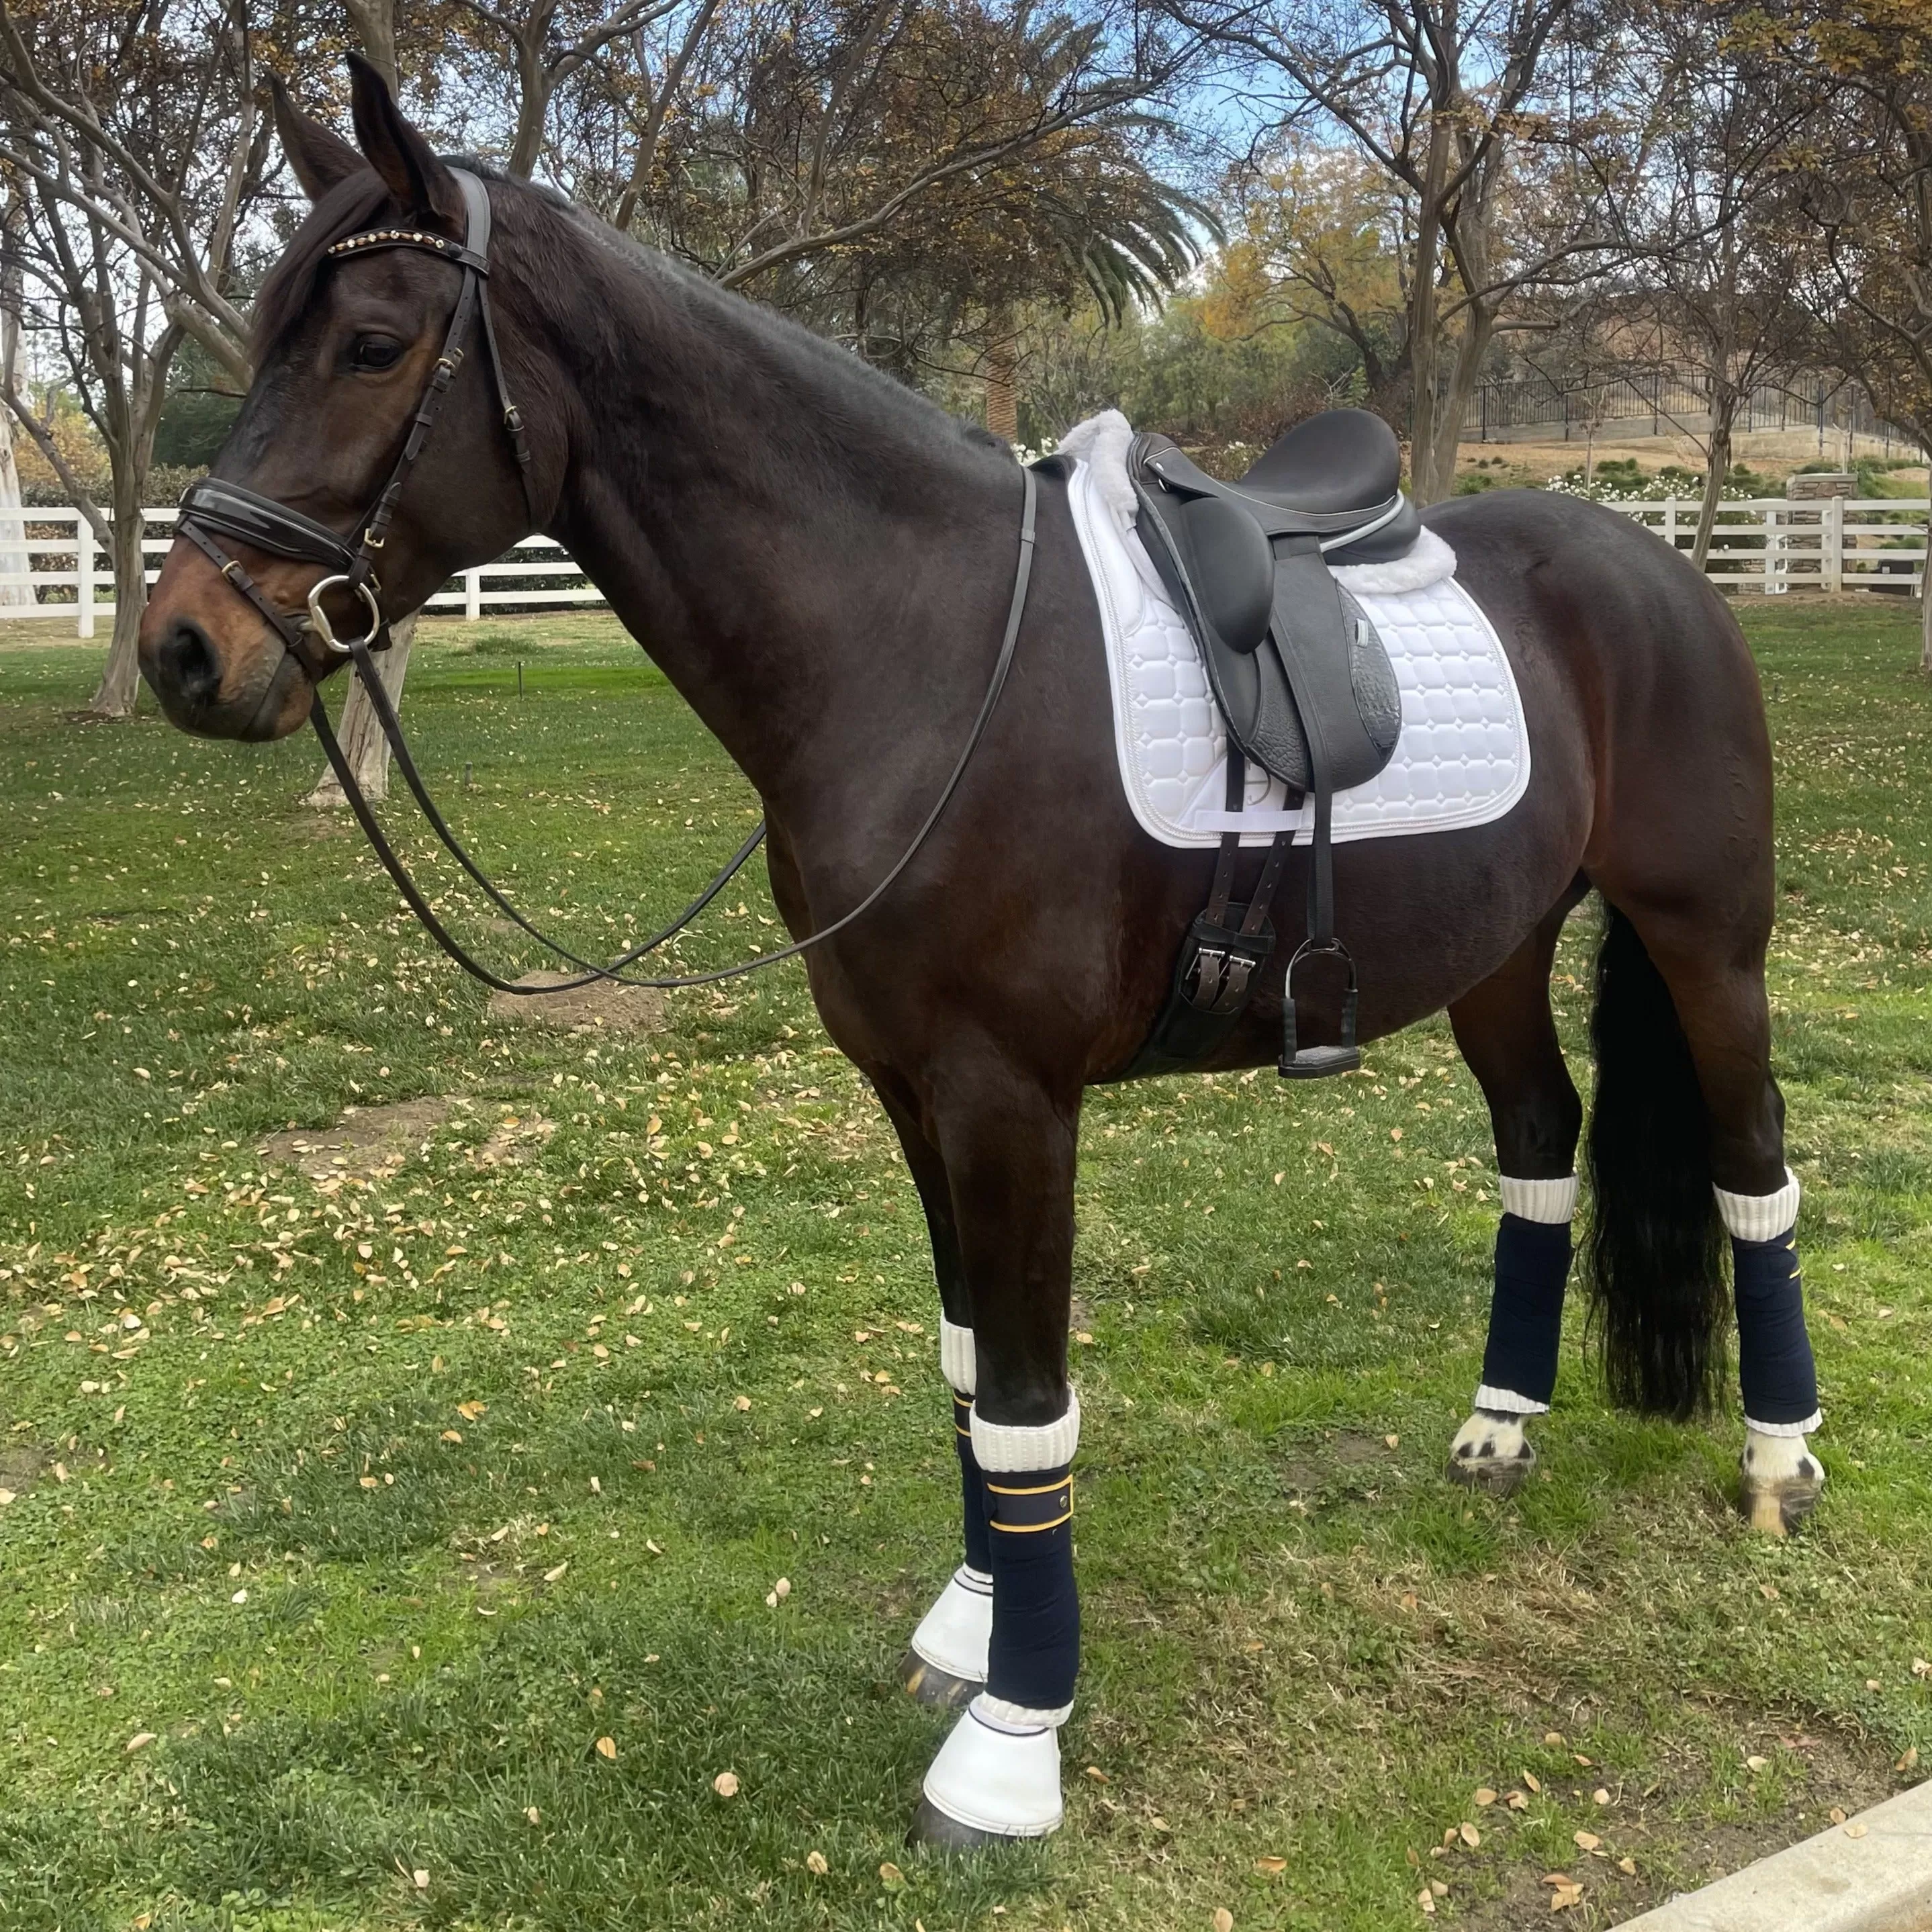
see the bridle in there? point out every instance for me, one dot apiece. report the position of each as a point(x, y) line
point(213, 506)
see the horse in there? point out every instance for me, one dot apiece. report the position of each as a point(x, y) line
point(821, 561)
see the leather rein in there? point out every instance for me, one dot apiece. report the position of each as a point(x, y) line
point(214, 506)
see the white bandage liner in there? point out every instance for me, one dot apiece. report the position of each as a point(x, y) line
point(997, 1778)
point(954, 1635)
point(955, 1357)
point(1549, 1201)
point(1760, 1217)
point(1018, 1718)
point(1507, 1402)
point(1007, 1449)
point(1804, 1428)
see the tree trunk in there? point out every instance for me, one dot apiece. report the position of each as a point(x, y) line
point(1478, 330)
point(363, 744)
point(1717, 467)
point(1003, 401)
point(14, 561)
point(121, 681)
point(1925, 596)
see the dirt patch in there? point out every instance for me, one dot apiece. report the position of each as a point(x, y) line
point(1334, 1460)
point(1671, 1855)
point(599, 1006)
point(369, 1143)
point(20, 1466)
point(515, 1139)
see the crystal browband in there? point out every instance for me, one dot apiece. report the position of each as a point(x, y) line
point(397, 238)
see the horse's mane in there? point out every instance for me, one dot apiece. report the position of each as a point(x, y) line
point(352, 203)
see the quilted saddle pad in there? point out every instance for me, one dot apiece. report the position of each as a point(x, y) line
point(1463, 756)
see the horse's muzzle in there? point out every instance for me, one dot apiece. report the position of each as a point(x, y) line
point(266, 698)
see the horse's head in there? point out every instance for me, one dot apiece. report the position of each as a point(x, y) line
point(347, 345)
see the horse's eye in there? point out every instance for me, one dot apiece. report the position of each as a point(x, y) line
point(374, 352)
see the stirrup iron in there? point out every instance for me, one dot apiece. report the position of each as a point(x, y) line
point(1317, 1063)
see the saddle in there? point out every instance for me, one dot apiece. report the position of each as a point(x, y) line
point(1303, 683)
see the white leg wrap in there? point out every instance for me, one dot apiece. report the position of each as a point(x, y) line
point(955, 1357)
point(1760, 1217)
point(1507, 1402)
point(1551, 1201)
point(997, 1776)
point(955, 1634)
point(1009, 1449)
point(1785, 1432)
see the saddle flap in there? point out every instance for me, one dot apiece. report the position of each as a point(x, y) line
point(1232, 568)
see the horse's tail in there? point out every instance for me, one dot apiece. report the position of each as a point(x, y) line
point(1656, 1258)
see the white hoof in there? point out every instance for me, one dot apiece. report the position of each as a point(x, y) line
point(947, 1663)
point(993, 1780)
point(1492, 1452)
point(1783, 1479)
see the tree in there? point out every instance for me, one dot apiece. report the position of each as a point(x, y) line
point(1489, 161)
point(136, 145)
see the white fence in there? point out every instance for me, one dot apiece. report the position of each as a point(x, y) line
point(538, 572)
point(1769, 546)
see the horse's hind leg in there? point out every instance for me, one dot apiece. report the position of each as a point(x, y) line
point(945, 1664)
point(1508, 1036)
point(1717, 990)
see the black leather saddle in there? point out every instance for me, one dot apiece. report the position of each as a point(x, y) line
point(1304, 683)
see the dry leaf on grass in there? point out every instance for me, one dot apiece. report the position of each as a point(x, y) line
point(725, 1784)
point(1909, 1760)
point(891, 1877)
point(1855, 1830)
point(1587, 1841)
point(1270, 1867)
point(1469, 1835)
point(1223, 1920)
point(139, 1741)
point(1427, 1899)
point(606, 1748)
point(1756, 1763)
point(1837, 1814)
point(1484, 1795)
point(815, 1863)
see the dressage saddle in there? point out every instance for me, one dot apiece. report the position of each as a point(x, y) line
point(1303, 682)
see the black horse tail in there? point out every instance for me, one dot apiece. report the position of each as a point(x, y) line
point(1657, 1252)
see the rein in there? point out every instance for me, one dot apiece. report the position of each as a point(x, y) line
point(213, 506)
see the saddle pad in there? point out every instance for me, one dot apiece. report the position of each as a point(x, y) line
point(1463, 756)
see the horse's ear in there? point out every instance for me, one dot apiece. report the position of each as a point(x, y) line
point(398, 153)
point(319, 157)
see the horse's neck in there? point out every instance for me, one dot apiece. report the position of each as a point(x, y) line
point(797, 545)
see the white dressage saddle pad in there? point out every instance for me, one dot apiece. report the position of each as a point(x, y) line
point(1462, 758)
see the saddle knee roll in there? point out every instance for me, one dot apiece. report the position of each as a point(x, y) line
point(1777, 1374)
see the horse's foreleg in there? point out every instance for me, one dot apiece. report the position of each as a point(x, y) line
point(1508, 1036)
point(1009, 1153)
point(946, 1663)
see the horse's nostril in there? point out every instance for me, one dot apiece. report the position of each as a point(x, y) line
point(186, 662)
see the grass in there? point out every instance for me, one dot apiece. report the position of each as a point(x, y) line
point(374, 1502)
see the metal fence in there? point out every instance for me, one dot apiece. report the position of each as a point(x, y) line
point(1661, 402)
point(1769, 546)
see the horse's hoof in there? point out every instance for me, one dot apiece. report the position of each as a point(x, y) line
point(1491, 1454)
point(1781, 1483)
point(938, 1690)
point(931, 1827)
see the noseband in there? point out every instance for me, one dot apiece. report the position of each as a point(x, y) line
point(213, 506)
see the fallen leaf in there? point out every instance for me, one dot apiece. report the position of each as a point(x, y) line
point(1469, 1835)
point(1627, 1866)
point(531, 1812)
point(1484, 1795)
point(1394, 1441)
point(725, 1784)
point(1530, 1779)
point(1837, 1814)
point(139, 1741)
point(606, 1748)
point(551, 1576)
point(421, 1879)
point(1223, 1920)
point(815, 1863)
point(1565, 1896)
point(741, 1402)
point(1553, 1737)
point(1910, 1758)
point(1586, 1841)
point(1427, 1899)
point(1099, 1776)
point(1271, 1867)
point(1855, 1830)
point(1756, 1763)
point(1516, 1802)
point(891, 1877)
point(1600, 1796)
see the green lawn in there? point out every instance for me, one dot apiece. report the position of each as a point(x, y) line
point(375, 1488)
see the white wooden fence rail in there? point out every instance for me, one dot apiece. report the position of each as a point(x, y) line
point(1769, 546)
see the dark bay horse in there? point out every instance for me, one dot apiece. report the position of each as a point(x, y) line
point(821, 562)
